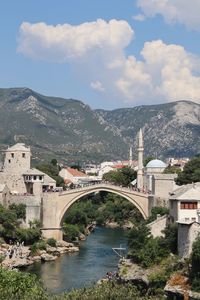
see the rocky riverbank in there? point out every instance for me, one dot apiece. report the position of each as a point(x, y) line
point(24, 257)
point(176, 287)
point(133, 273)
point(126, 225)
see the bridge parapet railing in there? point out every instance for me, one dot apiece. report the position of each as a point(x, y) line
point(108, 185)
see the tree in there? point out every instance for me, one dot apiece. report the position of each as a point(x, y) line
point(19, 209)
point(28, 235)
point(71, 232)
point(148, 159)
point(170, 241)
point(123, 176)
point(172, 170)
point(190, 173)
point(52, 169)
point(54, 162)
point(195, 259)
point(157, 210)
point(20, 286)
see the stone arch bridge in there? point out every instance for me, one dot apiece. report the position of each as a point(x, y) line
point(55, 205)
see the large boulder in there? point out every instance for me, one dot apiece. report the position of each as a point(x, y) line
point(62, 243)
point(47, 257)
point(130, 272)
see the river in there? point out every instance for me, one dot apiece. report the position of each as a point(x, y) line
point(85, 267)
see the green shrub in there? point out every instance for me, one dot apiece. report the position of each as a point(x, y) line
point(28, 235)
point(51, 242)
point(157, 210)
point(34, 249)
point(41, 245)
point(16, 285)
point(19, 209)
point(195, 259)
point(71, 232)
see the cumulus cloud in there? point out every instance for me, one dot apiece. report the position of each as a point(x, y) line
point(62, 43)
point(97, 85)
point(182, 11)
point(164, 73)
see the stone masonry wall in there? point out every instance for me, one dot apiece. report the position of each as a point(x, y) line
point(33, 206)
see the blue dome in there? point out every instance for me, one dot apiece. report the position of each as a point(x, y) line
point(156, 163)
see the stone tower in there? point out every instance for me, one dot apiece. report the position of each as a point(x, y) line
point(17, 159)
point(140, 175)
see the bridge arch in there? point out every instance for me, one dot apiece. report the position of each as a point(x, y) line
point(55, 205)
point(130, 198)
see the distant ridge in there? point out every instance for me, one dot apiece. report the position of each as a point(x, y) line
point(70, 130)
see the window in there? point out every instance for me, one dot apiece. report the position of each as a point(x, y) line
point(23, 155)
point(188, 205)
point(12, 155)
point(40, 177)
point(9, 161)
point(34, 177)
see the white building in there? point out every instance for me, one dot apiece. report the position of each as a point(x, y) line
point(185, 210)
point(74, 176)
point(185, 203)
point(154, 167)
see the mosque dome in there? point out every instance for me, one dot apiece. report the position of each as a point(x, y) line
point(156, 163)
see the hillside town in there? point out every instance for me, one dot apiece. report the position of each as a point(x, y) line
point(21, 183)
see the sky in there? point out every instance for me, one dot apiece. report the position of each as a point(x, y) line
point(106, 53)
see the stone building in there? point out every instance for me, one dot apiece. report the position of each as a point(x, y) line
point(151, 177)
point(71, 175)
point(185, 210)
point(18, 175)
point(19, 183)
point(4, 194)
point(154, 167)
point(188, 231)
point(185, 203)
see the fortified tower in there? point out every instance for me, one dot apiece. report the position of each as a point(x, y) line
point(17, 159)
point(140, 175)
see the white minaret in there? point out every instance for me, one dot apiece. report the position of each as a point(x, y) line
point(140, 178)
point(130, 157)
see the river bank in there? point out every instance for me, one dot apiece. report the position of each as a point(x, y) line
point(84, 268)
point(18, 256)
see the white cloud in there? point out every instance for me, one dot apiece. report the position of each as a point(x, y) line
point(97, 85)
point(139, 17)
point(65, 42)
point(182, 11)
point(165, 72)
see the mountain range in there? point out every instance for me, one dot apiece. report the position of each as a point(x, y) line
point(72, 132)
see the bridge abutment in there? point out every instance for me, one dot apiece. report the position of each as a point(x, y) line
point(55, 233)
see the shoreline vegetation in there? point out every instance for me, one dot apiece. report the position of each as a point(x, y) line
point(151, 270)
point(137, 278)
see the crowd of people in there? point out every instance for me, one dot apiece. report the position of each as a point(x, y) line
point(15, 251)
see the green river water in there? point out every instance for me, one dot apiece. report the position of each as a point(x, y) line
point(85, 267)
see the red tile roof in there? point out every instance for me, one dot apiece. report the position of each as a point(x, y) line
point(67, 181)
point(118, 166)
point(76, 173)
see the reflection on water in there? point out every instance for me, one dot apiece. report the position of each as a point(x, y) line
point(91, 263)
